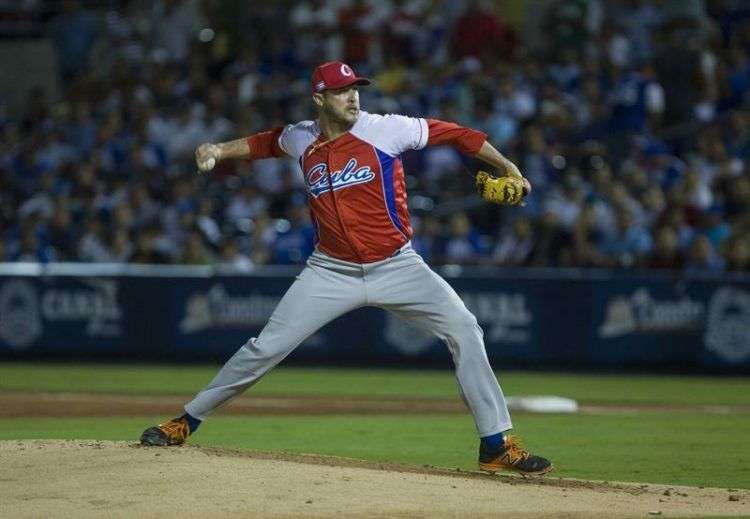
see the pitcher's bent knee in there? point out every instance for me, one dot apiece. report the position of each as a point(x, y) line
point(464, 329)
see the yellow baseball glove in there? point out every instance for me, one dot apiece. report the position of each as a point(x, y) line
point(500, 190)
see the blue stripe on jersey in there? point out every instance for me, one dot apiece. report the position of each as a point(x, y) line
point(386, 167)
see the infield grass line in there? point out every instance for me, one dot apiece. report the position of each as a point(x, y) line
point(291, 381)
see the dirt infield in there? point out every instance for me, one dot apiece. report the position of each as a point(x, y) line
point(54, 478)
point(18, 405)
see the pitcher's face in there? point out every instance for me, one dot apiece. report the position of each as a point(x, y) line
point(341, 104)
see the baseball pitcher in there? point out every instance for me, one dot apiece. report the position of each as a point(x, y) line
point(363, 256)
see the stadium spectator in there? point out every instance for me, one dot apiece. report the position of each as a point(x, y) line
point(174, 25)
point(73, 32)
point(702, 257)
point(551, 240)
point(666, 253)
point(120, 246)
point(514, 245)
point(480, 34)
point(427, 241)
point(583, 249)
point(359, 23)
point(195, 251)
point(231, 256)
point(565, 201)
point(630, 242)
point(59, 231)
point(463, 243)
point(738, 254)
point(295, 239)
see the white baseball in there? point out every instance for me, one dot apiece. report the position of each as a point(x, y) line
point(207, 165)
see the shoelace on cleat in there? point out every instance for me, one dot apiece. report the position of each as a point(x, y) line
point(175, 428)
point(514, 450)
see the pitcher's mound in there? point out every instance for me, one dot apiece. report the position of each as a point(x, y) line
point(55, 478)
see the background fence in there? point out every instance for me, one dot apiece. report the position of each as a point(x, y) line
point(531, 317)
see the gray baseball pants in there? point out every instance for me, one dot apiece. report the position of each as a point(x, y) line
point(328, 288)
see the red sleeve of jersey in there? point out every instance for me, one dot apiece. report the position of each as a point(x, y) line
point(463, 139)
point(265, 145)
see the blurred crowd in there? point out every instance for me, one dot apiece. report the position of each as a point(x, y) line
point(629, 117)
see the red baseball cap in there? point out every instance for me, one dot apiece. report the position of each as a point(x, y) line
point(335, 74)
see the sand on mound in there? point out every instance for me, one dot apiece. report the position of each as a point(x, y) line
point(84, 478)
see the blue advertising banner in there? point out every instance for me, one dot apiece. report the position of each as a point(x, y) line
point(681, 323)
point(529, 317)
point(61, 314)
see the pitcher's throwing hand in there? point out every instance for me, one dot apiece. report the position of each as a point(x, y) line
point(206, 156)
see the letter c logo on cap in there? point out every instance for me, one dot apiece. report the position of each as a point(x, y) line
point(345, 70)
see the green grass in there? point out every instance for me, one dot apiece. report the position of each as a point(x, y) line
point(678, 449)
point(670, 448)
point(150, 379)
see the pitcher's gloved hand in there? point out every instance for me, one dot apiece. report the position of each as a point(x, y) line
point(508, 190)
